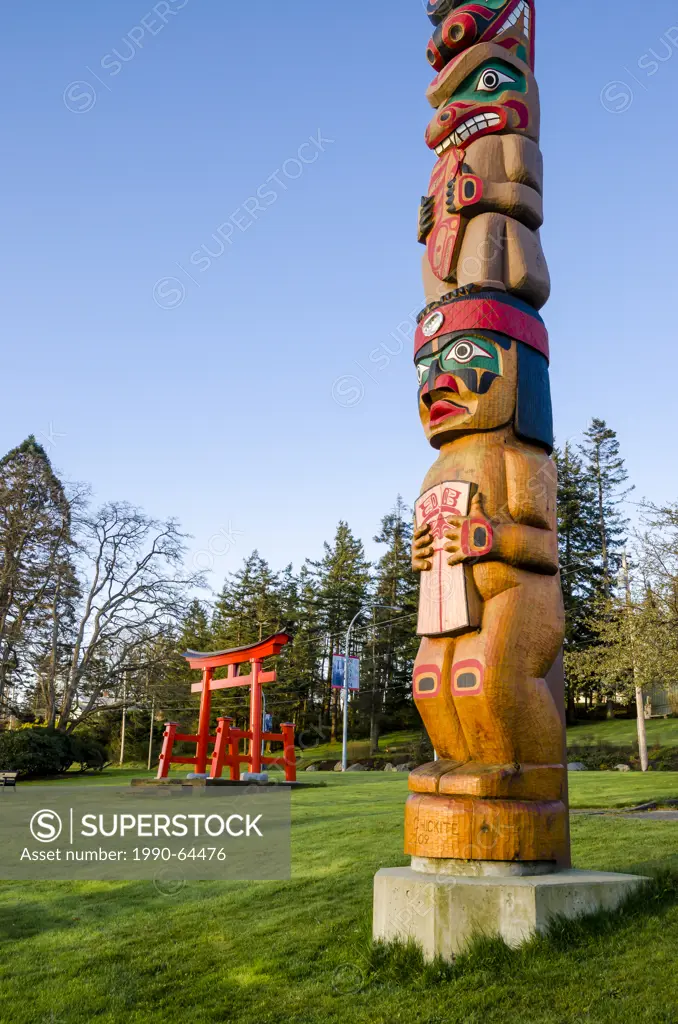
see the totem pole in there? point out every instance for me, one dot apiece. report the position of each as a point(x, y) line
point(491, 615)
point(486, 824)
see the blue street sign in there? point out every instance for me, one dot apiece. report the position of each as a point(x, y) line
point(338, 669)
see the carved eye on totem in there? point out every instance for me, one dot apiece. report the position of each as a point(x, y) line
point(476, 362)
point(491, 79)
point(465, 351)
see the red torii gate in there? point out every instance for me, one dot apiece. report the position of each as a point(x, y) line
point(227, 740)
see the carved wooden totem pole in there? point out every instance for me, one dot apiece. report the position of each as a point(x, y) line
point(491, 615)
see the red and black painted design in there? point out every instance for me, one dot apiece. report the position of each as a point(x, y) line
point(464, 190)
point(449, 122)
point(438, 10)
point(440, 222)
point(434, 513)
point(477, 538)
point(461, 25)
point(467, 678)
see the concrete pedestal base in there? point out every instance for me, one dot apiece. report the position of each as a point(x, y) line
point(443, 912)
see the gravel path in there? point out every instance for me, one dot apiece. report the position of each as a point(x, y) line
point(636, 813)
point(654, 816)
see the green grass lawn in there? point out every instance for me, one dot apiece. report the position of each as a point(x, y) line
point(587, 789)
point(615, 789)
point(617, 732)
point(393, 743)
point(661, 732)
point(300, 951)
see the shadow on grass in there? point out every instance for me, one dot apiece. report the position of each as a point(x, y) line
point(32, 909)
point(403, 964)
point(654, 868)
point(28, 909)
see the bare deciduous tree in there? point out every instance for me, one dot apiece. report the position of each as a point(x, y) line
point(136, 592)
point(635, 632)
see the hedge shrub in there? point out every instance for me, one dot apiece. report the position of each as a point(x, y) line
point(606, 757)
point(43, 752)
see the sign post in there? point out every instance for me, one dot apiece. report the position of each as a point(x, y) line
point(347, 675)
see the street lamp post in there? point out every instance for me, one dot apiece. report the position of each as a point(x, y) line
point(347, 662)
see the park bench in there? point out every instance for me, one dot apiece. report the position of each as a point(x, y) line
point(8, 778)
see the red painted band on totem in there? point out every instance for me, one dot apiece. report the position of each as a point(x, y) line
point(486, 315)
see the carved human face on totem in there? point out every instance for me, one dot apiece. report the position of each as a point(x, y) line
point(484, 91)
point(460, 24)
point(467, 383)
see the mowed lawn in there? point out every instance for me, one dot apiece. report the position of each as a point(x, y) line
point(390, 743)
point(587, 789)
point(623, 732)
point(617, 732)
point(299, 952)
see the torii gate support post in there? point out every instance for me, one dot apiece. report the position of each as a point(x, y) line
point(255, 720)
point(204, 721)
point(225, 746)
point(167, 746)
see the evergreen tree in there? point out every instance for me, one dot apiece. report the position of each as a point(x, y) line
point(196, 632)
point(341, 580)
point(607, 474)
point(579, 543)
point(390, 653)
point(249, 606)
point(288, 698)
point(254, 603)
point(37, 575)
point(303, 663)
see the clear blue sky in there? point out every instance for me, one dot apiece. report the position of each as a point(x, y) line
point(239, 405)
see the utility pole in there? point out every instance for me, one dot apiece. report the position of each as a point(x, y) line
point(640, 705)
point(150, 736)
point(347, 662)
point(124, 716)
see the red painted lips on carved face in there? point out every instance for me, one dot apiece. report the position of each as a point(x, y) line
point(443, 409)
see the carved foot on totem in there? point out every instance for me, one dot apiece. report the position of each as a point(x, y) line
point(426, 778)
point(491, 781)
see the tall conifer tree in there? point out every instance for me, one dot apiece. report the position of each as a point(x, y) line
point(249, 607)
point(579, 542)
point(606, 471)
point(393, 649)
point(37, 576)
point(341, 580)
